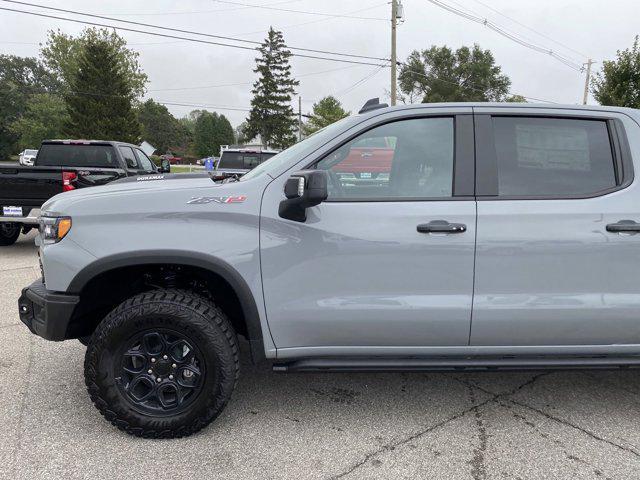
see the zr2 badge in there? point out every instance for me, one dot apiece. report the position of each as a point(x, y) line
point(225, 199)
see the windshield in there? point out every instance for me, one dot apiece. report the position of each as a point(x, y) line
point(30, 152)
point(308, 144)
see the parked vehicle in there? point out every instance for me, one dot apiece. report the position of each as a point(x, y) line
point(27, 157)
point(506, 236)
point(241, 160)
point(61, 166)
point(173, 160)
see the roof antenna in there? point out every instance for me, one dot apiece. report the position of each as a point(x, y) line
point(372, 104)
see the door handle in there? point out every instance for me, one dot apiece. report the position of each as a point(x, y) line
point(442, 226)
point(624, 226)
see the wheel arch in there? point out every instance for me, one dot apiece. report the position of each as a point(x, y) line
point(197, 260)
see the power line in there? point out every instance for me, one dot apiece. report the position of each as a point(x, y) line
point(511, 31)
point(247, 83)
point(504, 33)
point(178, 30)
point(365, 79)
point(304, 12)
point(193, 12)
point(295, 25)
point(85, 22)
point(583, 55)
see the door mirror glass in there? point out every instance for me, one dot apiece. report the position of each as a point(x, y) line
point(165, 166)
point(303, 190)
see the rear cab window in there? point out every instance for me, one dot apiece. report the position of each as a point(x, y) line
point(243, 160)
point(77, 155)
point(548, 157)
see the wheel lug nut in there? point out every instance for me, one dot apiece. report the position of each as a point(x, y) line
point(164, 357)
point(174, 366)
point(153, 360)
point(170, 377)
point(149, 371)
point(159, 379)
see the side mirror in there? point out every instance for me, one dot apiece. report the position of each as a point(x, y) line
point(303, 190)
point(165, 166)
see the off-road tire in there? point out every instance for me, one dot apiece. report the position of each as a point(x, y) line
point(182, 311)
point(9, 233)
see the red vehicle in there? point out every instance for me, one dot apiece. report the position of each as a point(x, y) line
point(367, 159)
point(173, 160)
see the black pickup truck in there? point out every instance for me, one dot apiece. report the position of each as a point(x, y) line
point(63, 165)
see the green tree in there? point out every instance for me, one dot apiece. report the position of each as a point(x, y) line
point(439, 74)
point(271, 114)
point(211, 131)
point(516, 99)
point(19, 79)
point(100, 100)
point(62, 53)
point(204, 134)
point(327, 111)
point(618, 83)
point(43, 119)
point(159, 127)
point(224, 132)
point(240, 135)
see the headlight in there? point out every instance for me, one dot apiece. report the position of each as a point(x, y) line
point(54, 229)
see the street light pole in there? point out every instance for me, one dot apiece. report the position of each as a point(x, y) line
point(394, 24)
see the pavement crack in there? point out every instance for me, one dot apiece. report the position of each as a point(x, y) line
point(392, 446)
point(567, 423)
point(478, 464)
point(23, 407)
point(548, 415)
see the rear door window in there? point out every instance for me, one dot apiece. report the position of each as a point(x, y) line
point(129, 158)
point(553, 157)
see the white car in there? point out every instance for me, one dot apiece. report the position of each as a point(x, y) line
point(28, 157)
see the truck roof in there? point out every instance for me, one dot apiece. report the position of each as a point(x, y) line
point(555, 106)
point(76, 141)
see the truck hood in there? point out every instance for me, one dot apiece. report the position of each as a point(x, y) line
point(159, 185)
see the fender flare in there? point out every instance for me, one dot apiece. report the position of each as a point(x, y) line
point(193, 259)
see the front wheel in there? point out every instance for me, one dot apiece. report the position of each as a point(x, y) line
point(9, 233)
point(163, 364)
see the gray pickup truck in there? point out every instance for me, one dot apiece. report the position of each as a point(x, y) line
point(61, 166)
point(504, 236)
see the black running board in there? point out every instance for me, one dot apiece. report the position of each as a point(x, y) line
point(378, 364)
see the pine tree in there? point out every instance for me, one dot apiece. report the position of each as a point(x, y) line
point(271, 114)
point(100, 100)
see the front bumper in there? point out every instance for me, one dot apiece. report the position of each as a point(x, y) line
point(46, 313)
point(31, 218)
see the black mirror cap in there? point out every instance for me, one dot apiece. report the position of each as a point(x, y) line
point(314, 193)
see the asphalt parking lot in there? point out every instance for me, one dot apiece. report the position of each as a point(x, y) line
point(433, 426)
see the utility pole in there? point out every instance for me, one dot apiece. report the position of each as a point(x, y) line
point(299, 118)
point(586, 82)
point(394, 24)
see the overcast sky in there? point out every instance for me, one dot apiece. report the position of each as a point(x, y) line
point(594, 28)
